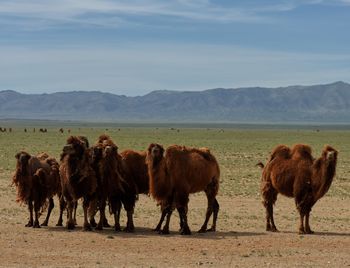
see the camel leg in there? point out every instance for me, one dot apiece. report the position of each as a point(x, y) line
point(102, 207)
point(36, 213)
point(216, 208)
point(168, 212)
point(181, 199)
point(70, 221)
point(185, 228)
point(269, 195)
point(86, 202)
point(212, 204)
point(62, 206)
point(301, 224)
point(75, 213)
point(92, 213)
point(30, 208)
point(307, 224)
point(51, 206)
point(115, 206)
point(128, 200)
point(162, 217)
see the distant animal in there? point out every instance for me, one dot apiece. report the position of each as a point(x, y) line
point(78, 178)
point(178, 173)
point(42, 130)
point(25, 130)
point(61, 130)
point(37, 181)
point(295, 173)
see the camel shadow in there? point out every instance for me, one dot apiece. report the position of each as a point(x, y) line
point(142, 232)
point(318, 233)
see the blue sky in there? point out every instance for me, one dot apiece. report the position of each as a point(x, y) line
point(134, 47)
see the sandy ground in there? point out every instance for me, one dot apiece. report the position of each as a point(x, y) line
point(240, 241)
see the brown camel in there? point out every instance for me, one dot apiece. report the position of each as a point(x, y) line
point(78, 178)
point(178, 173)
point(114, 187)
point(295, 173)
point(37, 181)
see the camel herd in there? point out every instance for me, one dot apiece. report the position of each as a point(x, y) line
point(100, 175)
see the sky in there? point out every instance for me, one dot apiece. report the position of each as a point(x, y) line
point(132, 47)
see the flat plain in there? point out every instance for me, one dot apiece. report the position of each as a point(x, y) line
point(241, 239)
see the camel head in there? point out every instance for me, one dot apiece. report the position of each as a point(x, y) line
point(155, 152)
point(85, 140)
point(329, 154)
point(96, 153)
point(75, 147)
point(109, 149)
point(22, 161)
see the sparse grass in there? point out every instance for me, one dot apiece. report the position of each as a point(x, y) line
point(237, 150)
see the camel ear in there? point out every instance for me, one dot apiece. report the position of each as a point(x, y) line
point(17, 155)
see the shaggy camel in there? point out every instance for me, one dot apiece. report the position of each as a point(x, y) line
point(37, 181)
point(294, 173)
point(78, 178)
point(178, 173)
point(113, 186)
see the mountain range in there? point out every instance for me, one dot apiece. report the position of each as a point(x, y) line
point(329, 103)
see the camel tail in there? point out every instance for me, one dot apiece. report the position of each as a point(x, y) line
point(260, 164)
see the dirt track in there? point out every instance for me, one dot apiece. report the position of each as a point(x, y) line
point(241, 240)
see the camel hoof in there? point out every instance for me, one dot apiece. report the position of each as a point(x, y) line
point(201, 230)
point(106, 224)
point(212, 229)
point(129, 229)
point(29, 224)
point(36, 225)
point(59, 224)
point(70, 225)
point(164, 232)
point(87, 227)
point(309, 232)
point(98, 227)
point(186, 231)
point(93, 223)
point(44, 223)
point(117, 228)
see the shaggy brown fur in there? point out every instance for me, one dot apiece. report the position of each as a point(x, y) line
point(37, 181)
point(113, 186)
point(178, 173)
point(136, 169)
point(78, 178)
point(299, 176)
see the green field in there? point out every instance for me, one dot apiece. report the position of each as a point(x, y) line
point(237, 149)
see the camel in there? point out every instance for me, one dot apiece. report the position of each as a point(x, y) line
point(113, 185)
point(78, 178)
point(295, 173)
point(37, 181)
point(178, 173)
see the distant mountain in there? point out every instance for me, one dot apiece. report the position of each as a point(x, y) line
point(319, 103)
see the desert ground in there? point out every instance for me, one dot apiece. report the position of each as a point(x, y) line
point(240, 240)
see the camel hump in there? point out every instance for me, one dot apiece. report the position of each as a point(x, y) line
point(302, 151)
point(206, 154)
point(203, 151)
point(282, 151)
